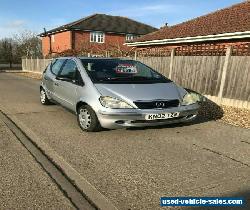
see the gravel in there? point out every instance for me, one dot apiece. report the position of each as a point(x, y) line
point(226, 114)
point(236, 116)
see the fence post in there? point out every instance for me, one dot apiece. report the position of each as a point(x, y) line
point(44, 64)
point(89, 55)
point(26, 64)
point(32, 65)
point(22, 63)
point(224, 73)
point(135, 55)
point(171, 63)
point(37, 64)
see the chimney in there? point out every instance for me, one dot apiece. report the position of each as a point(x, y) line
point(166, 24)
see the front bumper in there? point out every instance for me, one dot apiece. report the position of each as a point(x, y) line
point(117, 118)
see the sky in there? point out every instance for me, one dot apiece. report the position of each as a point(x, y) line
point(34, 15)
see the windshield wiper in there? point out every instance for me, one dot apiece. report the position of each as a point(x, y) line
point(118, 78)
point(132, 79)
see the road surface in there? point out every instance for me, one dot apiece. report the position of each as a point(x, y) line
point(133, 168)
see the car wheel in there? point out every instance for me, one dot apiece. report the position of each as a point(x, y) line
point(87, 119)
point(43, 97)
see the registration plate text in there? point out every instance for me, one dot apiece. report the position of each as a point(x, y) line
point(162, 116)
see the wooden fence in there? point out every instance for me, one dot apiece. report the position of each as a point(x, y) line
point(35, 65)
point(199, 73)
point(223, 79)
point(161, 64)
point(203, 49)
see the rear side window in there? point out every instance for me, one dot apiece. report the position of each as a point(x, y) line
point(56, 66)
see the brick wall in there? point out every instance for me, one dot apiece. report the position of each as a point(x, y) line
point(59, 42)
point(45, 45)
point(81, 40)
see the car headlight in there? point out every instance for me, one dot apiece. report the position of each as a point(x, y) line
point(190, 98)
point(114, 103)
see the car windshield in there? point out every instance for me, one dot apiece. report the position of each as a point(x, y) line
point(121, 71)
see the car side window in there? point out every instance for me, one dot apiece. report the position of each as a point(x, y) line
point(56, 66)
point(69, 70)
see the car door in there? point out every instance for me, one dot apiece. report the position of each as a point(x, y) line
point(50, 77)
point(68, 83)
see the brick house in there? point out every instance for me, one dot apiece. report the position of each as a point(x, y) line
point(98, 31)
point(229, 26)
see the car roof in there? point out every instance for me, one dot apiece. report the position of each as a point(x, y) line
point(93, 58)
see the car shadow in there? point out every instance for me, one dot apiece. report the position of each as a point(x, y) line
point(209, 111)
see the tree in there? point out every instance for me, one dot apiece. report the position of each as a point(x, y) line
point(8, 53)
point(25, 44)
point(29, 45)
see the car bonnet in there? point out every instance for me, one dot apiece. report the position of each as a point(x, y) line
point(135, 92)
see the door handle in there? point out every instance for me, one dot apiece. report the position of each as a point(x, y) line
point(56, 84)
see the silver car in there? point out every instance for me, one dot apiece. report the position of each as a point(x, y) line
point(115, 93)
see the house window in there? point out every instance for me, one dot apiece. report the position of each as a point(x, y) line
point(130, 37)
point(97, 37)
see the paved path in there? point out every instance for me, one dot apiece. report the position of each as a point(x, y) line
point(134, 168)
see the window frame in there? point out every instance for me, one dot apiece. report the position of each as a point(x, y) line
point(130, 35)
point(96, 35)
point(77, 81)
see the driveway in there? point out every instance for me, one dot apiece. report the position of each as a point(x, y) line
point(133, 168)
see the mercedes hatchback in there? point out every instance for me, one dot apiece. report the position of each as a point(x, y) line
point(115, 93)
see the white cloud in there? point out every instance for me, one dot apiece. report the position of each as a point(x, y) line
point(15, 24)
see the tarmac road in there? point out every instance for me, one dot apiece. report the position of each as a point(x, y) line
point(133, 168)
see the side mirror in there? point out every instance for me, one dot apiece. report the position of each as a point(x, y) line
point(79, 82)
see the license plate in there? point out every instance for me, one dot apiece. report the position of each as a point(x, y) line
point(162, 116)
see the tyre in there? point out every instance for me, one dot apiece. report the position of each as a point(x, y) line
point(87, 119)
point(43, 97)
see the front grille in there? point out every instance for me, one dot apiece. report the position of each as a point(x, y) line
point(157, 104)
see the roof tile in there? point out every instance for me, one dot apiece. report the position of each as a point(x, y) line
point(107, 23)
point(232, 19)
